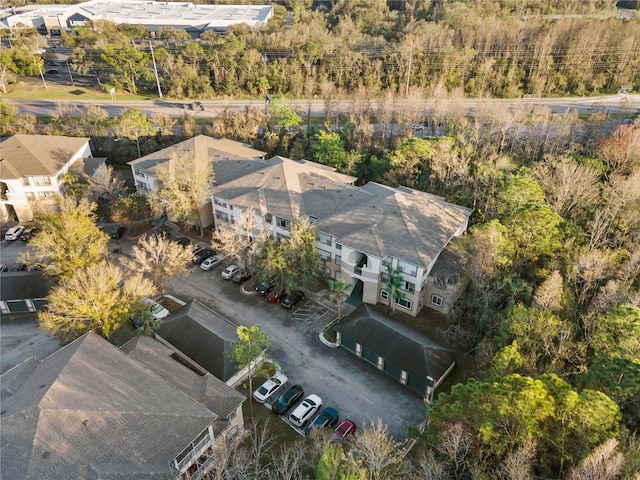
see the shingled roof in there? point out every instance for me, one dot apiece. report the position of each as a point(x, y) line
point(230, 159)
point(413, 352)
point(91, 411)
point(204, 336)
point(211, 392)
point(36, 155)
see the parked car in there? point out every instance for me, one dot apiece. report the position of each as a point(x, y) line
point(275, 296)
point(230, 271)
point(157, 311)
point(29, 234)
point(116, 232)
point(305, 410)
point(184, 241)
point(17, 267)
point(287, 399)
point(269, 387)
point(241, 276)
point(14, 233)
point(327, 418)
point(201, 255)
point(212, 262)
point(290, 300)
point(347, 427)
point(265, 287)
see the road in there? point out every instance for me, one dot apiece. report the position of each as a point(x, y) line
point(626, 103)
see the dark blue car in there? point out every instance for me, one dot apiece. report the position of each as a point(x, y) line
point(287, 399)
point(327, 418)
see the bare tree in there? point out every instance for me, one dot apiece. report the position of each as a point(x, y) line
point(590, 269)
point(456, 445)
point(549, 293)
point(159, 257)
point(105, 185)
point(379, 453)
point(242, 240)
point(603, 463)
point(288, 462)
point(518, 464)
point(186, 183)
point(567, 184)
point(428, 467)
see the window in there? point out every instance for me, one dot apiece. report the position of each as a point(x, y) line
point(420, 302)
point(268, 218)
point(404, 303)
point(42, 181)
point(282, 223)
point(222, 216)
point(232, 433)
point(338, 275)
point(384, 277)
point(409, 287)
point(219, 201)
point(44, 195)
point(407, 268)
point(423, 286)
point(142, 186)
point(25, 181)
point(139, 172)
point(384, 295)
point(436, 300)
point(387, 261)
point(338, 260)
point(338, 246)
point(324, 255)
point(324, 238)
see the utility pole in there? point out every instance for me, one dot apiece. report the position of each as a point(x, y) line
point(406, 90)
point(42, 75)
point(155, 69)
point(70, 76)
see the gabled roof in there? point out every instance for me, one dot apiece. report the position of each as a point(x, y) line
point(283, 188)
point(230, 159)
point(406, 224)
point(36, 155)
point(91, 411)
point(204, 336)
point(211, 392)
point(414, 353)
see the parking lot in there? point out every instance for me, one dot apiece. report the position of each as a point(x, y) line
point(351, 386)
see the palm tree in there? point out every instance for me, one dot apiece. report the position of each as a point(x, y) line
point(340, 290)
point(395, 282)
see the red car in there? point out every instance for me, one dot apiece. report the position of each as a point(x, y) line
point(275, 296)
point(347, 427)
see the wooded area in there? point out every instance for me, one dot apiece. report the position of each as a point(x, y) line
point(552, 313)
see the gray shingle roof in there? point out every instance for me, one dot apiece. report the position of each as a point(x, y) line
point(36, 155)
point(230, 159)
point(285, 188)
point(409, 350)
point(214, 394)
point(407, 224)
point(90, 411)
point(202, 335)
point(22, 285)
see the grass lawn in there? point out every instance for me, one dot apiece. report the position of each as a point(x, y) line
point(32, 88)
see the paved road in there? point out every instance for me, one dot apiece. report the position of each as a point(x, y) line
point(629, 103)
point(357, 390)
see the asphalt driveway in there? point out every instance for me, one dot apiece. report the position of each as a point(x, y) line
point(356, 389)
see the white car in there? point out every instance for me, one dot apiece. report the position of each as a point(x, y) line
point(212, 262)
point(157, 310)
point(230, 271)
point(269, 387)
point(305, 410)
point(14, 233)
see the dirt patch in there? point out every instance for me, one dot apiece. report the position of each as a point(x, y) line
point(138, 229)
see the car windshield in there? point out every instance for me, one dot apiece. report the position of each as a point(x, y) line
point(156, 308)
